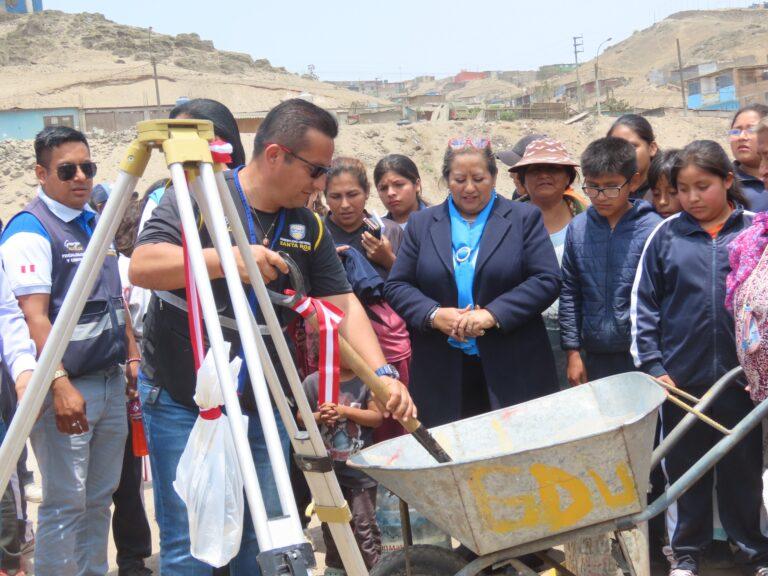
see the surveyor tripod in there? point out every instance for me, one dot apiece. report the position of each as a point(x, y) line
point(195, 176)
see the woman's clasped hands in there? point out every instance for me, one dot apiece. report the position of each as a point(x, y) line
point(463, 323)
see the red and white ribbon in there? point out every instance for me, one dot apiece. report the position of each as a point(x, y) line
point(195, 317)
point(195, 311)
point(221, 151)
point(328, 319)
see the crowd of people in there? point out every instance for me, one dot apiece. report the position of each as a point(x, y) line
point(630, 257)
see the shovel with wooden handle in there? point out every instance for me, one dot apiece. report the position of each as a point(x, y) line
point(354, 362)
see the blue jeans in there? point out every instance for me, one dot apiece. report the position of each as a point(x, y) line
point(167, 426)
point(80, 472)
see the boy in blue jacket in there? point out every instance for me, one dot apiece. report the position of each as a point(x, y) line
point(602, 250)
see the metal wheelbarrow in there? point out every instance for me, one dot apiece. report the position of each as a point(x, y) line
point(532, 476)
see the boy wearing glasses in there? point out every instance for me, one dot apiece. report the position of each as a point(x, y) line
point(80, 452)
point(602, 250)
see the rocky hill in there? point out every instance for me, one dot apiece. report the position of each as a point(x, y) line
point(95, 32)
point(705, 36)
point(55, 59)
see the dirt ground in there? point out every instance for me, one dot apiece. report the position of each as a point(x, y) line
point(315, 536)
point(425, 142)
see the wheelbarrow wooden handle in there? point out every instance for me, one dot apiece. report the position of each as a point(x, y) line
point(672, 390)
point(678, 391)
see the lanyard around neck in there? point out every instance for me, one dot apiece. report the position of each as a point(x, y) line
point(249, 217)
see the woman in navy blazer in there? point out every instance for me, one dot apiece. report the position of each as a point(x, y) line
point(493, 352)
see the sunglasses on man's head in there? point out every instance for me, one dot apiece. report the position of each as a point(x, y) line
point(68, 171)
point(462, 143)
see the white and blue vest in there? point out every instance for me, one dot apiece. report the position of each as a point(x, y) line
point(99, 339)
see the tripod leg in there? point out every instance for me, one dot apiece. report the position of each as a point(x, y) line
point(64, 326)
point(324, 486)
point(216, 339)
point(217, 225)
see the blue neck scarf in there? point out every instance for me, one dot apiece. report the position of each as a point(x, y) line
point(465, 244)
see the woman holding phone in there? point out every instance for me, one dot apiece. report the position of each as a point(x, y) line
point(346, 191)
point(362, 239)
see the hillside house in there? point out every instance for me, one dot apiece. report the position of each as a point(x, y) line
point(729, 88)
point(24, 124)
point(21, 6)
point(606, 84)
point(466, 76)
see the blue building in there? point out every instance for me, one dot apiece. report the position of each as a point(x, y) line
point(728, 88)
point(21, 6)
point(20, 124)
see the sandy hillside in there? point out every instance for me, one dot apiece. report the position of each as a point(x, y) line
point(705, 36)
point(108, 64)
point(424, 142)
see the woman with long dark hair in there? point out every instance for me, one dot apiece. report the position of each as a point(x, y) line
point(743, 140)
point(224, 123)
point(398, 183)
point(638, 131)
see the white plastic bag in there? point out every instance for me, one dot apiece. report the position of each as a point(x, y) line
point(208, 477)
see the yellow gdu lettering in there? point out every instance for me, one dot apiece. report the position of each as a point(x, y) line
point(559, 500)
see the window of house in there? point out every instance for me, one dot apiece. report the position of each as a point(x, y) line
point(68, 120)
point(723, 81)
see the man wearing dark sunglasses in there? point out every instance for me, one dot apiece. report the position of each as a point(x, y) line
point(80, 452)
point(292, 152)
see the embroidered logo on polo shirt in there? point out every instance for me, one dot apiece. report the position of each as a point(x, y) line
point(297, 231)
point(74, 251)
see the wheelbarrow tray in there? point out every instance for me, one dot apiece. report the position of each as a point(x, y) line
point(553, 465)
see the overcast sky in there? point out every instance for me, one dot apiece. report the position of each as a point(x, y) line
point(366, 39)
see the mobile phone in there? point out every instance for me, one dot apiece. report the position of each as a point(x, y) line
point(372, 227)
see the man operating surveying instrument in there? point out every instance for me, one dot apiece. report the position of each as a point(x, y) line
point(207, 206)
point(292, 151)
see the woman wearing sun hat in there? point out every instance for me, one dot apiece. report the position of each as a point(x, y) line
point(547, 172)
point(471, 279)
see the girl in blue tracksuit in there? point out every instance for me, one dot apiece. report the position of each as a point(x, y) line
point(683, 334)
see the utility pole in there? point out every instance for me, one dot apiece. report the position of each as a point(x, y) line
point(597, 89)
point(682, 82)
point(154, 67)
point(578, 48)
point(597, 76)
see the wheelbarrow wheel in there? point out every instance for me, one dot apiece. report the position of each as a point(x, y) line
point(425, 561)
